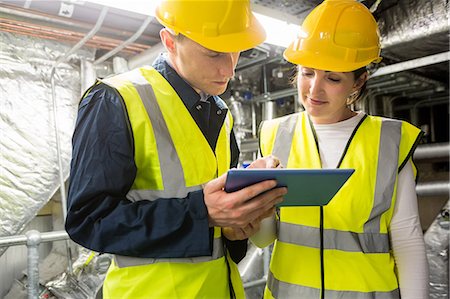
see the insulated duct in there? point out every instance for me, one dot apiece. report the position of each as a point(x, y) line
point(28, 168)
point(413, 20)
point(437, 246)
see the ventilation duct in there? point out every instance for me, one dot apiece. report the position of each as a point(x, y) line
point(414, 20)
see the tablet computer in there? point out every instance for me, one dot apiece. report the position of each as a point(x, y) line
point(306, 187)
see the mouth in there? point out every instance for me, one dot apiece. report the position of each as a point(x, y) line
point(221, 83)
point(316, 101)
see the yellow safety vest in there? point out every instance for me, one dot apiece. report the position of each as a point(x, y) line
point(172, 158)
point(341, 249)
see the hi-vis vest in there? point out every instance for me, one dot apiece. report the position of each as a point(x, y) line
point(173, 158)
point(341, 249)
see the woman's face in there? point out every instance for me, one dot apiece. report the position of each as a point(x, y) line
point(324, 94)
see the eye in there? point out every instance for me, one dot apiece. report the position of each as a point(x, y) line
point(336, 80)
point(307, 73)
point(213, 54)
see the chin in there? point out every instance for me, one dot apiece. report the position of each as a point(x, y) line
point(216, 91)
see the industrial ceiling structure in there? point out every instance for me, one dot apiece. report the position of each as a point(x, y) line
point(414, 34)
point(410, 29)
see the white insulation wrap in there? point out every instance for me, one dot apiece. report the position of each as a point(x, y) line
point(437, 244)
point(28, 156)
point(414, 20)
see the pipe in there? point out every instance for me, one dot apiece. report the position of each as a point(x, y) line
point(441, 188)
point(87, 73)
point(255, 283)
point(146, 57)
point(33, 239)
point(22, 239)
point(412, 21)
point(424, 103)
point(411, 64)
point(134, 37)
point(266, 260)
point(55, 119)
point(270, 96)
point(65, 22)
point(55, 116)
point(33, 242)
point(257, 252)
point(432, 151)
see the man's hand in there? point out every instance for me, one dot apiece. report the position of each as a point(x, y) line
point(239, 209)
point(266, 162)
point(242, 233)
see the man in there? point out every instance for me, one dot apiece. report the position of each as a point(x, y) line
point(150, 150)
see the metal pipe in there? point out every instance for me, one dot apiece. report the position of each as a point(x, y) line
point(66, 22)
point(411, 64)
point(270, 96)
point(55, 115)
point(425, 103)
point(125, 43)
point(433, 189)
point(62, 187)
point(22, 239)
point(255, 62)
point(255, 283)
point(432, 151)
point(251, 260)
point(33, 239)
point(266, 261)
point(254, 125)
point(33, 242)
point(146, 57)
point(88, 74)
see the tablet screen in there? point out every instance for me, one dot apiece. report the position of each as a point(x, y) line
point(306, 187)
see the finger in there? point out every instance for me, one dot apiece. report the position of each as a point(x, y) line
point(254, 190)
point(267, 214)
point(272, 162)
point(217, 184)
point(261, 204)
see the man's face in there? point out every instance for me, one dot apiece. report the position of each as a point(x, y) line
point(205, 70)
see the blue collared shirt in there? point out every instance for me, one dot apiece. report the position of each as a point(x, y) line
point(100, 217)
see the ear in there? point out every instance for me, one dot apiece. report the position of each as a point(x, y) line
point(167, 40)
point(360, 81)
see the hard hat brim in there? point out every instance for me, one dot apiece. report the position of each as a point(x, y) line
point(227, 43)
point(317, 61)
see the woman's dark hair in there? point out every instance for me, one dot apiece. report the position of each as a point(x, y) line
point(362, 91)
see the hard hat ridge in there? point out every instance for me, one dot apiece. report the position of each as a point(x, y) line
point(220, 25)
point(338, 35)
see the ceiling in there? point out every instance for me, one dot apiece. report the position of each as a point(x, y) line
point(410, 29)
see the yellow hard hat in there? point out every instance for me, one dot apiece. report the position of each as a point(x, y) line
point(339, 36)
point(219, 25)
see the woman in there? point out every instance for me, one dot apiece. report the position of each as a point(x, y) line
point(367, 242)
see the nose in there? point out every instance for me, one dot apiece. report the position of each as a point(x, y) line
point(228, 64)
point(315, 87)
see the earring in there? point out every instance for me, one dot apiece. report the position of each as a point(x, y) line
point(352, 97)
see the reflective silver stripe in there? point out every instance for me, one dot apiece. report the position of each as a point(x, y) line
point(283, 290)
point(171, 169)
point(128, 261)
point(283, 139)
point(136, 195)
point(386, 172)
point(333, 239)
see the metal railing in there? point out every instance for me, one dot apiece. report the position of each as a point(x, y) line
point(32, 239)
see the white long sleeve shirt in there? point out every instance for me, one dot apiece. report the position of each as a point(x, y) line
point(405, 230)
